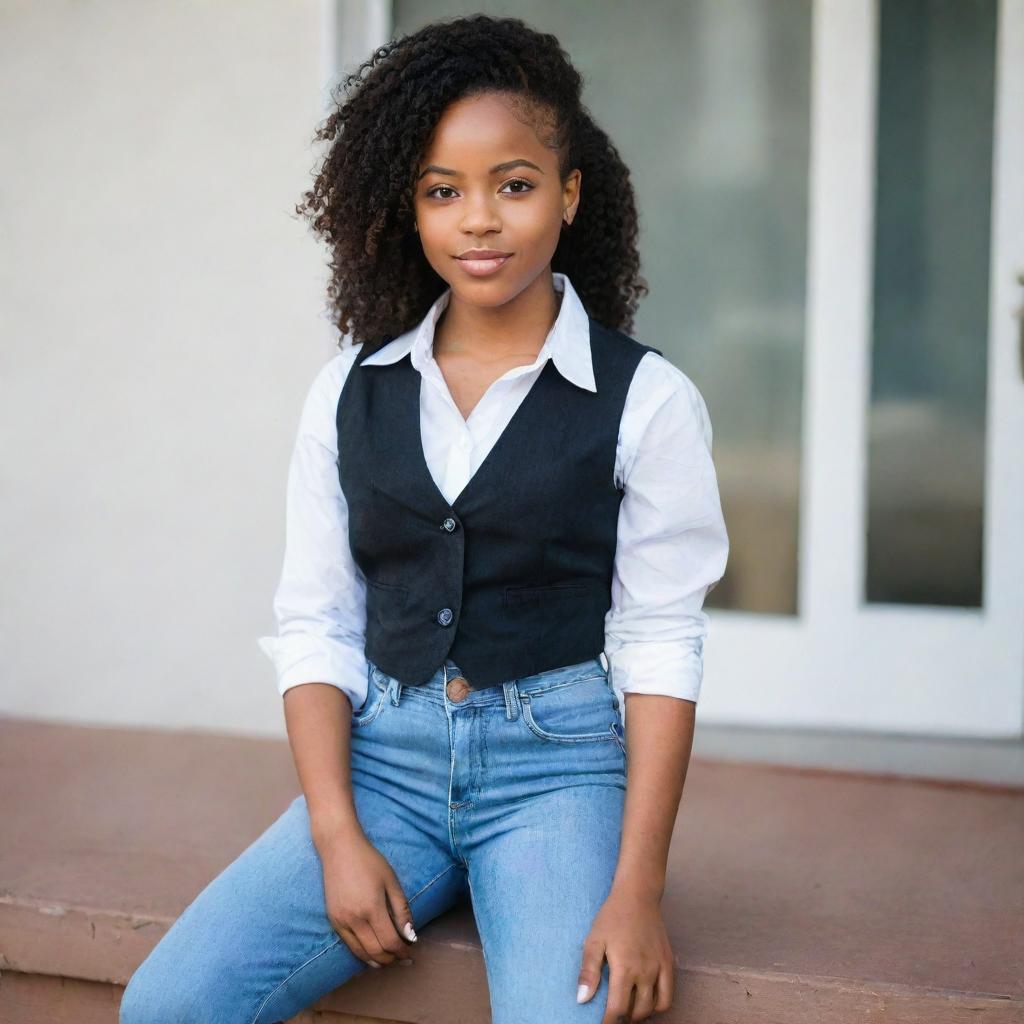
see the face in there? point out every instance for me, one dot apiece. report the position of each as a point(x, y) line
point(487, 182)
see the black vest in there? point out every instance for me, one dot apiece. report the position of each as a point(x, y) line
point(513, 577)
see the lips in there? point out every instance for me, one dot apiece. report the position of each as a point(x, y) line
point(481, 262)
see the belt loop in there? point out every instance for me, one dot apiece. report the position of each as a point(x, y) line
point(511, 700)
point(395, 690)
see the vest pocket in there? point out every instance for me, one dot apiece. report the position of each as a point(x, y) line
point(385, 602)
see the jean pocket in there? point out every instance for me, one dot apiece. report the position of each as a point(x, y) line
point(376, 698)
point(578, 712)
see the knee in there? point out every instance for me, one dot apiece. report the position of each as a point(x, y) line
point(168, 988)
point(160, 992)
point(145, 998)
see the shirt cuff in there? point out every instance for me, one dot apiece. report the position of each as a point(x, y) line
point(666, 668)
point(308, 658)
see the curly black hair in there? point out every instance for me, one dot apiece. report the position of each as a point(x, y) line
point(361, 202)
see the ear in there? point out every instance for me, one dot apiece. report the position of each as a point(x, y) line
point(571, 195)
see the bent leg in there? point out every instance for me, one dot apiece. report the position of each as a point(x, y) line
point(256, 945)
point(537, 883)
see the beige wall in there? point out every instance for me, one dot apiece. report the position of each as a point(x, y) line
point(161, 316)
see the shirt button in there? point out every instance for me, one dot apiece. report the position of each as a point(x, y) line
point(445, 616)
point(449, 524)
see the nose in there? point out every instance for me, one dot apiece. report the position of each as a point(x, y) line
point(479, 216)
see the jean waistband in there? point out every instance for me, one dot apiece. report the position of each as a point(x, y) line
point(506, 693)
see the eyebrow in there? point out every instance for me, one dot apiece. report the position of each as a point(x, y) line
point(496, 169)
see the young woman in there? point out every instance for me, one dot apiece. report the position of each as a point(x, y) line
point(503, 520)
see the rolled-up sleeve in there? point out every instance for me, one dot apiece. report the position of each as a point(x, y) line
point(672, 544)
point(320, 603)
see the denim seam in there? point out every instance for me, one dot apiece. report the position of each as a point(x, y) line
point(337, 940)
point(561, 686)
point(285, 981)
point(424, 888)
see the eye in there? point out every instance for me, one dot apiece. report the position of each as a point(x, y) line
point(520, 181)
point(525, 186)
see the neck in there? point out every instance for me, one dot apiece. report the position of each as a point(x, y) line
point(515, 329)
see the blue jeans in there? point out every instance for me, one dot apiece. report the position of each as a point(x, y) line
point(512, 797)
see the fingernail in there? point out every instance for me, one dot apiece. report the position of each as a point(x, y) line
point(406, 963)
point(373, 963)
point(410, 932)
point(582, 992)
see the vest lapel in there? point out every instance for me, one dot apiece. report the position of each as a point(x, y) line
point(400, 467)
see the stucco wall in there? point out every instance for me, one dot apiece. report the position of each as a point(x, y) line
point(161, 317)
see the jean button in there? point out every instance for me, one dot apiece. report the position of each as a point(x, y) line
point(445, 616)
point(449, 524)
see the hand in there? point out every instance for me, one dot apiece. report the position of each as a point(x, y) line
point(629, 931)
point(365, 901)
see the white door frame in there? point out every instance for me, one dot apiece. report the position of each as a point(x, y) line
point(843, 663)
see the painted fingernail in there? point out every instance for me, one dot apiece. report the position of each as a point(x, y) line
point(373, 963)
point(410, 932)
point(582, 992)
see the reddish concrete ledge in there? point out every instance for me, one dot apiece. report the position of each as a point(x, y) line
point(795, 895)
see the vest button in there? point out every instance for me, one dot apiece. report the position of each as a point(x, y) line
point(445, 616)
point(449, 524)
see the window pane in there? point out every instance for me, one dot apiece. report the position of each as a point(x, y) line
point(708, 101)
point(931, 282)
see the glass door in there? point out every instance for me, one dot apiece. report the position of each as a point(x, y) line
point(911, 554)
point(832, 224)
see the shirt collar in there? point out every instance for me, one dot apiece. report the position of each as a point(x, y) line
point(567, 343)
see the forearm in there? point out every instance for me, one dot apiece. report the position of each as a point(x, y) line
point(317, 716)
point(659, 738)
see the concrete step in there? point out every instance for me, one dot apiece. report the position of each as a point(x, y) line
point(794, 895)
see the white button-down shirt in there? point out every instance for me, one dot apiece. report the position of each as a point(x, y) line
point(671, 547)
